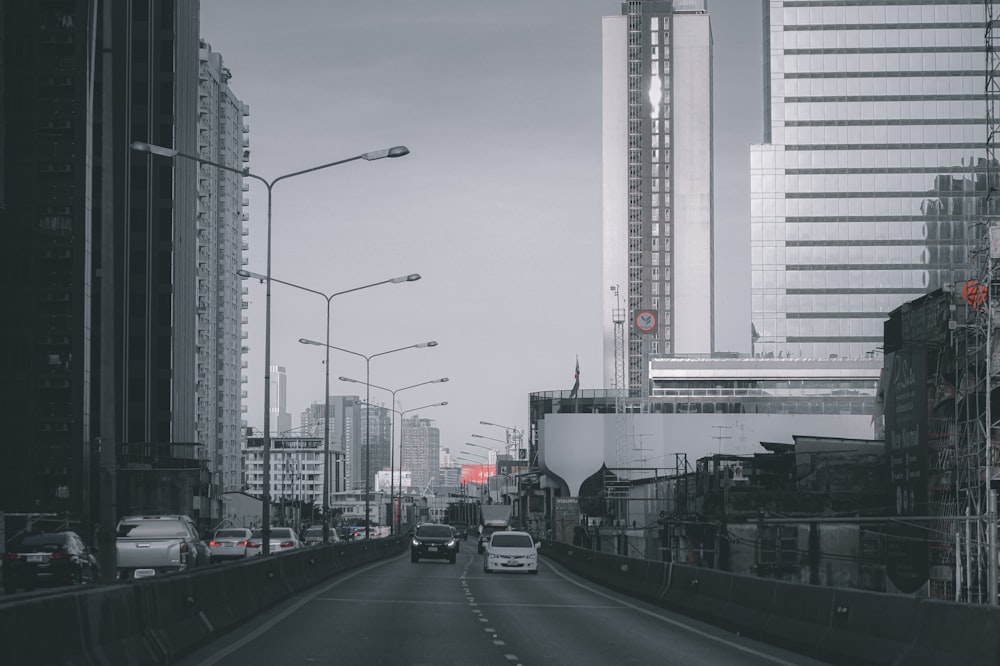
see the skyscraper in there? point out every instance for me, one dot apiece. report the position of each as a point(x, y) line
point(419, 451)
point(220, 232)
point(657, 191)
point(866, 190)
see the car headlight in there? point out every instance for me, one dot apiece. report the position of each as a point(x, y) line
point(531, 557)
point(493, 556)
point(416, 543)
point(452, 543)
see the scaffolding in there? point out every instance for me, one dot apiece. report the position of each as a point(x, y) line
point(976, 334)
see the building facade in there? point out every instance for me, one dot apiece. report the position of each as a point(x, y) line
point(866, 190)
point(221, 233)
point(657, 184)
point(419, 451)
point(107, 254)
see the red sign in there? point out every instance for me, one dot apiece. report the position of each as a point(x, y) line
point(477, 473)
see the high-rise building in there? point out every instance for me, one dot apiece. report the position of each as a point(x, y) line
point(122, 324)
point(379, 419)
point(657, 189)
point(866, 190)
point(281, 420)
point(220, 232)
point(419, 451)
point(346, 440)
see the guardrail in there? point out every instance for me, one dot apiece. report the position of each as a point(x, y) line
point(839, 625)
point(154, 620)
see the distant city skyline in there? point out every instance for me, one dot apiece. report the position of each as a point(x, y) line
point(497, 206)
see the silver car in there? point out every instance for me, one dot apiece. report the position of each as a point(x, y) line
point(229, 543)
point(281, 539)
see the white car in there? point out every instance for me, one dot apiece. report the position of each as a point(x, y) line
point(281, 539)
point(229, 543)
point(511, 551)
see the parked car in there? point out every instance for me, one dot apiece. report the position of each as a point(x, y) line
point(280, 540)
point(431, 540)
point(511, 551)
point(229, 543)
point(314, 535)
point(48, 559)
point(153, 545)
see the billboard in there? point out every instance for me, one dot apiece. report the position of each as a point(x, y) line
point(477, 473)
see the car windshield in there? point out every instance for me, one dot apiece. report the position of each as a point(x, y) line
point(512, 541)
point(230, 533)
point(314, 532)
point(152, 528)
point(433, 531)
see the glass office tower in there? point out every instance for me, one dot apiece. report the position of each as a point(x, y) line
point(657, 185)
point(867, 190)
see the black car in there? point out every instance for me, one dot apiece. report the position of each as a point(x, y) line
point(431, 540)
point(48, 559)
point(461, 530)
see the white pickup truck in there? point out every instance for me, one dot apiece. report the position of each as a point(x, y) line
point(155, 545)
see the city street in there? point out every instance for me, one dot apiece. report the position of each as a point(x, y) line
point(432, 612)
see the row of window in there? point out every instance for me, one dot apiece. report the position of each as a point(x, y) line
point(902, 278)
point(872, 327)
point(839, 302)
point(889, 257)
point(919, 184)
point(888, 136)
point(914, 111)
point(895, 63)
point(937, 159)
point(873, 86)
point(881, 15)
point(853, 207)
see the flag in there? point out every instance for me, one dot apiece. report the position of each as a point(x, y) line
point(576, 379)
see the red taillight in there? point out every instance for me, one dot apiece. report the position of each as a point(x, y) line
point(243, 544)
point(60, 555)
point(214, 544)
point(10, 556)
point(252, 544)
point(184, 553)
point(287, 544)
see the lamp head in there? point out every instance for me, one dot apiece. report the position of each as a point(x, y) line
point(438, 381)
point(311, 342)
point(153, 149)
point(396, 151)
point(412, 277)
point(348, 379)
point(432, 343)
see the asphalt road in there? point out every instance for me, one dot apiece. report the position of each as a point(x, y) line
point(435, 613)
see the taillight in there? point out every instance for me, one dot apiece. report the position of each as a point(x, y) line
point(253, 544)
point(244, 544)
point(10, 556)
point(287, 544)
point(60, 555)
point(214, 544)
point(184, 553)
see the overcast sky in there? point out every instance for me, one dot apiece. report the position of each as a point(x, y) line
point(497, 207)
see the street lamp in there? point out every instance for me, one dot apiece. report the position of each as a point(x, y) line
point(412, 277)
point(392, 437)
point(162, 151)
point(392, 499)
point(514, 440)
point(368, 425)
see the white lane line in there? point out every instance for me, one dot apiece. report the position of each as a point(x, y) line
point(675, 623)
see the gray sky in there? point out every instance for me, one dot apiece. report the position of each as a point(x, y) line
point(498, 205)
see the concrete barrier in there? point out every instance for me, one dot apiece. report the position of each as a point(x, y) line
point(701, 593)
point(750, 605)
point(869, 627)
point(953, 633)
point(155, 620)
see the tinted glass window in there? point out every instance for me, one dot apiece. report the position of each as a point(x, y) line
point(153, 528)
point(42, 541)
point(230, 533)
point(433, 531)
point(314, 532)
point(512, 541)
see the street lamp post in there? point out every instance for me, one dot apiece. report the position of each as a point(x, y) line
point(512, 440)
point(392, 438)
point(412, 277)
point(162, 151)
point(368, 365)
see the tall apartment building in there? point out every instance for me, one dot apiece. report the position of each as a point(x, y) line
point(657, 184)
point(346, 440)
point(379, 420)
point(866, 190)
point(222, 138)
point(104, 339)
point(419, 451)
